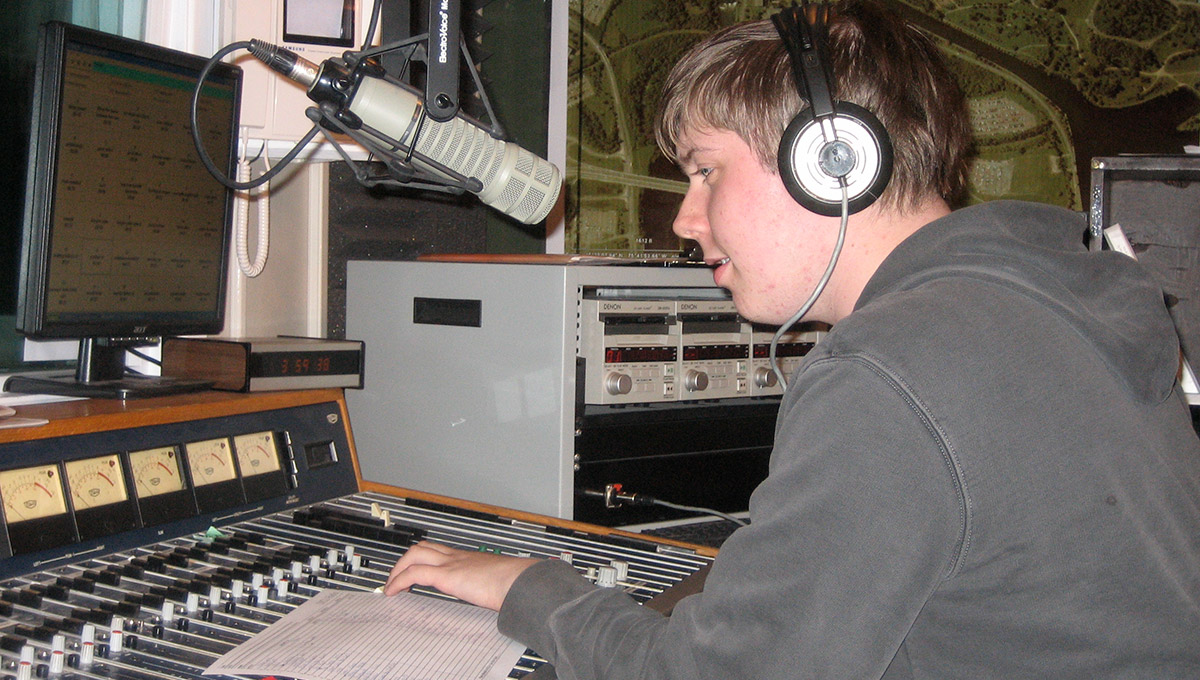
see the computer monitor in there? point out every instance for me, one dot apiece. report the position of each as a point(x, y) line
point(125, 234)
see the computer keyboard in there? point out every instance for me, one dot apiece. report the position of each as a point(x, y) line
point(711, 533)
point(127, 387)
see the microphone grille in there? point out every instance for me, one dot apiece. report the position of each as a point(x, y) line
point(515, 181)
point(532, 187)
point(530, 204)
point(483, 161)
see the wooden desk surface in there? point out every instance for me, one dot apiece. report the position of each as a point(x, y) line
point(98, 415)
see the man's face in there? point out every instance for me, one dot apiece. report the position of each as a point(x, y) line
point(764, 247)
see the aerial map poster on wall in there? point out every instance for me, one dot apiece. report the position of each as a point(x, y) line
point(1050, 85)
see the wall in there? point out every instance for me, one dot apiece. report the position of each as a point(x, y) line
point(288, 297)
point(1050, 85)
point(320, 217)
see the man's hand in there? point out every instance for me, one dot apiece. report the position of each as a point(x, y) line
point(476, 577)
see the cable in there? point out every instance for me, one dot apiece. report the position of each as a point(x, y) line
point(833, 258)
point(615, 496)
point(242, 222)
point(143, 356)
point(193, 119)
point(373, 25)
point(706, 511)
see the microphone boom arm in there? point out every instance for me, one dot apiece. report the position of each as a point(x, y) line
point(441, 102)
point(355, 96)
point(441, 62)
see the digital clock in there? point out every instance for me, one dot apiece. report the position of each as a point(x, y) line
point(309, 363)
point(260, 364)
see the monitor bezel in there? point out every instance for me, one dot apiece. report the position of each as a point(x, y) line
point(55, 39)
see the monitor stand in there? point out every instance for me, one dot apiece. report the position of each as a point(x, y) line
point(101, 374)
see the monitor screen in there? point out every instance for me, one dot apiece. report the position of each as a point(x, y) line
point(125, 234)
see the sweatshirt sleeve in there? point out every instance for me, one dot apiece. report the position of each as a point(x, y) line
point(860, 518)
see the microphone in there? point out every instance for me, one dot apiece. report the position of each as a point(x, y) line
point(392, 122)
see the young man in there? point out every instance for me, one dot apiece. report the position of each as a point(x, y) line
point(984, 470)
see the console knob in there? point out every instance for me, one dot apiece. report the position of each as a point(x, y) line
point(618, 383)
point(765, 377)
point(695, 381)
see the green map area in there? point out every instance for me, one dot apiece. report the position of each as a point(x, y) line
point(1051, 84)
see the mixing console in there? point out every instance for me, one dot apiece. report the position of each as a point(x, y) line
point(181, 590)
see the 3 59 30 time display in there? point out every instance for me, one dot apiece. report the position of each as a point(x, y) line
point(305, 365)
point(280, 364)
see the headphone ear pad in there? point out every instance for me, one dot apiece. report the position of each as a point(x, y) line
point(812, 168)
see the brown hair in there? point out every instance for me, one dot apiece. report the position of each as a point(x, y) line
point(740, 79)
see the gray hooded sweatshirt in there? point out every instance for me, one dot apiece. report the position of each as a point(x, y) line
point(985, 471)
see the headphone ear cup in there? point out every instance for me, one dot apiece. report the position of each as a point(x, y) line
point(812, 169)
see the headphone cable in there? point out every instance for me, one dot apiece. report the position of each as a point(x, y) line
point(833, 258)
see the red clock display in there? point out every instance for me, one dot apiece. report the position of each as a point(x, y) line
point(280, 364)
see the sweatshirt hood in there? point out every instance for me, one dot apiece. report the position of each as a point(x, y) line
point(1037, 250)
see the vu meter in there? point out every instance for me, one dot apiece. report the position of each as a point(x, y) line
point(156, 471)
point(257, 453)
point(158, 482)
point(32, 493)
point(96, 482)
point(101, 499)
point(35, 509)
point(258, 457)
point(210, 461)
point(214, 475)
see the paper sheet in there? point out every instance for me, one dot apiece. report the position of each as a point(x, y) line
point(344, 635)
point(8, 419)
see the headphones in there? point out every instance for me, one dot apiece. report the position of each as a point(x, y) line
point(831, 144)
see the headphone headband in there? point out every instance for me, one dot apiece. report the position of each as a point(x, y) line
point(802, 30)
point(831, 145)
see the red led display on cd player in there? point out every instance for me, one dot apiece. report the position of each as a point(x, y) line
point(629, 355)
point(783, 349)
point(715, 352)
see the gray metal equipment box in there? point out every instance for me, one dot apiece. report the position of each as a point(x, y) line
point(1155, 201)
point(474, 384)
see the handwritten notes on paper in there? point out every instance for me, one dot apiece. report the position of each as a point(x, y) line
point(343, 635)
